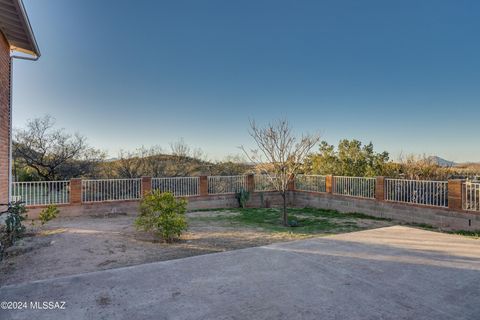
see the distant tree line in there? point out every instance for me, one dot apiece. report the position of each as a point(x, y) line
point(44, 152)
point(352, 158)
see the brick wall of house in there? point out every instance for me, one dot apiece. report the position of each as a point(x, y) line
point(4, 117)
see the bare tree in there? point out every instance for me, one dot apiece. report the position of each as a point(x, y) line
point(53, 153)
point(423, 167)
point(231, 165)
point(129, 164)
point(279, 155)
point(153, 161)
point(181, 161)
point(184, 160)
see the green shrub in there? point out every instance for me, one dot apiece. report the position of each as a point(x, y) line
point(13, 228)
point(242, 197)
point(49, 213)
point(163, 214)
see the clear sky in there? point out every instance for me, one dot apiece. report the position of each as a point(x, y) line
point(402, 74)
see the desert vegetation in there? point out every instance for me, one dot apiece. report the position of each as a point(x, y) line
point(44, 152)
point(98, 242)
point(353, 158)
point(163, 214)
point(279, 154)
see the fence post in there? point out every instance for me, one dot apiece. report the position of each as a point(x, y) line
point(455, 194)
point(250, 183)
point(380, 188)
point(291, 183)
point(146, 185)
point(76, 191)
point(203, 186)
point(329, 183)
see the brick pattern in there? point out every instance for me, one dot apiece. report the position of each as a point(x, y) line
point(203, 186)
point(75, 191)
point(5, 114)
point(291, 183)
point(449, 218)
point(329, 184)
point(455, 194)
point(146, 185)
point(438, 217)
point(194, 203)
point(250, 183)
point(380, 189)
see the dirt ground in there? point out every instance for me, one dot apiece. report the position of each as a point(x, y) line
point(68, 246)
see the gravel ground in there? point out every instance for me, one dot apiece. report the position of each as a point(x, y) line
point(68, 246)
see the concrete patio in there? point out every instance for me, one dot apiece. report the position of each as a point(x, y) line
point(387, 273)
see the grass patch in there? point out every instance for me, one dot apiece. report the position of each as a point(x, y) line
point(334, 214)
point(422, 226)
point(466, 233)
point(308, 220)
point(271, 219)
point(473, 234)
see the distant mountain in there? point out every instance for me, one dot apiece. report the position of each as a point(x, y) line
point(441, 162)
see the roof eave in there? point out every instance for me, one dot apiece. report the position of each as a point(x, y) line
point(25, 51)
point(26, 22)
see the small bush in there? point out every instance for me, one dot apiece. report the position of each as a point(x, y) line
point(49, 213)
point(163, 214)
point(242, 197)
point(13, 228)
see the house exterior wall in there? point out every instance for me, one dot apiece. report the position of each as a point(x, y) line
point(5, 114)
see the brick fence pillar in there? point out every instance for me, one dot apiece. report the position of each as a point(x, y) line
point(380, 189)
point(203, 186)
point(455, 194)
point(146, 185)
point(250, 183)
point(291, 183)
point(76, 191)
point(329, 183)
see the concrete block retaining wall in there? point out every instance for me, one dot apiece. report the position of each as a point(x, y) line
point(438, 217)
point(272, 199)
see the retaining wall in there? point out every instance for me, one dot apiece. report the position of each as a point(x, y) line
point(438, 217)
point(434, 216)
point(269, 199)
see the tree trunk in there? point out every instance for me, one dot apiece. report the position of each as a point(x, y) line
point(285, 215)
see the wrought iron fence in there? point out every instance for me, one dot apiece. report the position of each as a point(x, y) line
point(422, 192)
point(178, 186)
point(41, 192)
point(111, 190)
point(263, 182)
point(471, 196)
point(354, 186)
point(226, 184)
point(311, 183)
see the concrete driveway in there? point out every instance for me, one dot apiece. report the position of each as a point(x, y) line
point(388, 273)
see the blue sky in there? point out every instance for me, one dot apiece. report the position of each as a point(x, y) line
point(402, 74)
